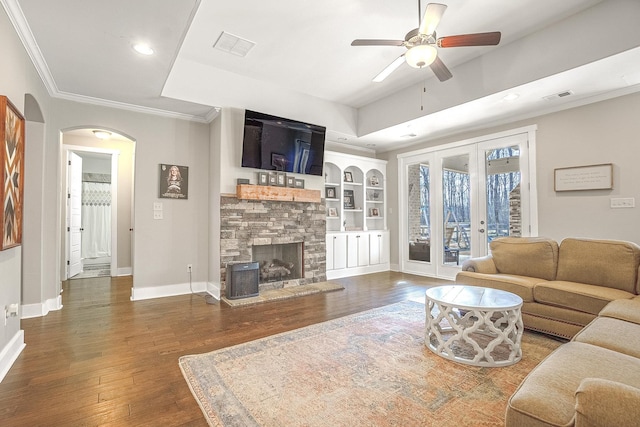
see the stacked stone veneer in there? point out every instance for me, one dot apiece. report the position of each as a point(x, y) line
point(244, 223)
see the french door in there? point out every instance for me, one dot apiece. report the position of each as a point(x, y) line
point(455, 200)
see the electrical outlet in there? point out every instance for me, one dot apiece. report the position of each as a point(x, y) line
point(157, 214)
point(189, 268)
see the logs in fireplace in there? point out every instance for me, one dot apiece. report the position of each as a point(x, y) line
point(275, 270)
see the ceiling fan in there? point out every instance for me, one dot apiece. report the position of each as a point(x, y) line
point(421, 43)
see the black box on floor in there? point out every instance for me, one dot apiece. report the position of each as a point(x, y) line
point(242, 280)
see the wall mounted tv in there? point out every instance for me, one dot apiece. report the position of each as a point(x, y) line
point(279, 144)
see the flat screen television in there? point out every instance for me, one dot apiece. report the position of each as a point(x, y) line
point(279, 144)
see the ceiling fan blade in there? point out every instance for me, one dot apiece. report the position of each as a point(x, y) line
point(440, 70)
point(432, 15)
point(477, 39)
point(377, 42)
point(389, 69)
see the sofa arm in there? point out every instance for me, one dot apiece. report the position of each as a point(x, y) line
point(483, 264)
point(602, 402)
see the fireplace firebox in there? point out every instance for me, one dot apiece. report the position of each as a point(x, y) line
point(279, 262)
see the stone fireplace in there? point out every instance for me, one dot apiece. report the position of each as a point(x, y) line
point(286, 238)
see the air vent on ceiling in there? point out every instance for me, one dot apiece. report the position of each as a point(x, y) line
point(233, 44)
point(559, 95)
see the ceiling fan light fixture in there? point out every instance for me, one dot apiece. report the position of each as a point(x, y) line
point(421, 55)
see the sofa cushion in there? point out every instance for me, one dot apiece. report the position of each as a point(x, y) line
point(623, 309)
point(577, 296)
point(546, 396)
point(606, 403)
point(610, 263)
point(519, 285)
point(526, 256)
point(614, 334)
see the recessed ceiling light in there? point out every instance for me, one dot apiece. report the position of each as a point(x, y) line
point(511, 96)
point(102, 134)
point(143, 48)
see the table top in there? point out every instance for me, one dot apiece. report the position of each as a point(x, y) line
point(474, 297)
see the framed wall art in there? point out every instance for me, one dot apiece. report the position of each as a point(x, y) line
point(592, 177)
point(174, 182)
point(12, 176)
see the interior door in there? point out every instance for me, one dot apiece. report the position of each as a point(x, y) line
point(74, 214)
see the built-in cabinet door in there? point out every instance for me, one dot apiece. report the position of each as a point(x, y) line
point(336, 251)
point(357, 250)
point(378, 247)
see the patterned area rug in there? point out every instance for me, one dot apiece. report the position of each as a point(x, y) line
point(368, 369)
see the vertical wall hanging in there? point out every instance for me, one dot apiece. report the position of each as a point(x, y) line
point(12, 179)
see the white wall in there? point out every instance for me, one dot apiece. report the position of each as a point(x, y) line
point(604, 132)
point(18, 78)
point(163, 248)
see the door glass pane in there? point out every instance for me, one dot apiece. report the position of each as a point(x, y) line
point(503, 193)
point(456, 209)
point(418, 211)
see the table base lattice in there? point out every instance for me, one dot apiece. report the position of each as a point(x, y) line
point(476, 337)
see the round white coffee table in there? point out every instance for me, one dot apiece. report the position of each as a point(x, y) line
point(474, 325)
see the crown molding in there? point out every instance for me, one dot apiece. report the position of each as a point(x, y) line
point(17, 18)
point(130, 107)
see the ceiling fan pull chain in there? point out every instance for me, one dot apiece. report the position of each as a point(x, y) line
point(424, 90)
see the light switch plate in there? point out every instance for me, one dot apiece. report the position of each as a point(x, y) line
point(623, 202)
point(157, 214)
point(157, 206)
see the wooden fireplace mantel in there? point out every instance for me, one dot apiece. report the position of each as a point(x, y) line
point(284, 194)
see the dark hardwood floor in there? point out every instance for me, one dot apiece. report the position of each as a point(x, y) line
point(105, 360)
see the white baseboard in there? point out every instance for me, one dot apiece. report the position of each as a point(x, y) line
point(10, 353)
point(395, 267)
point(356, 271)
point(125, 271)
point(138, 294)
point(214, 290)
point(41, 309)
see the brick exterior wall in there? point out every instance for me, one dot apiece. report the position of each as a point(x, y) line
point(245, 223)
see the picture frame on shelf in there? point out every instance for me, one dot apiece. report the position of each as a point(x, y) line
point(332, 212)
point(349, 202)
point(273, 178)
point(374, 181)
point(348, 176)
point(281, 179)
point(299, 183)
point(291, 181)
point(330, 192)
point(374, 212)
point(263, 178)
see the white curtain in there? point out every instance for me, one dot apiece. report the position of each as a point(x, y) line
point(96, 219)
